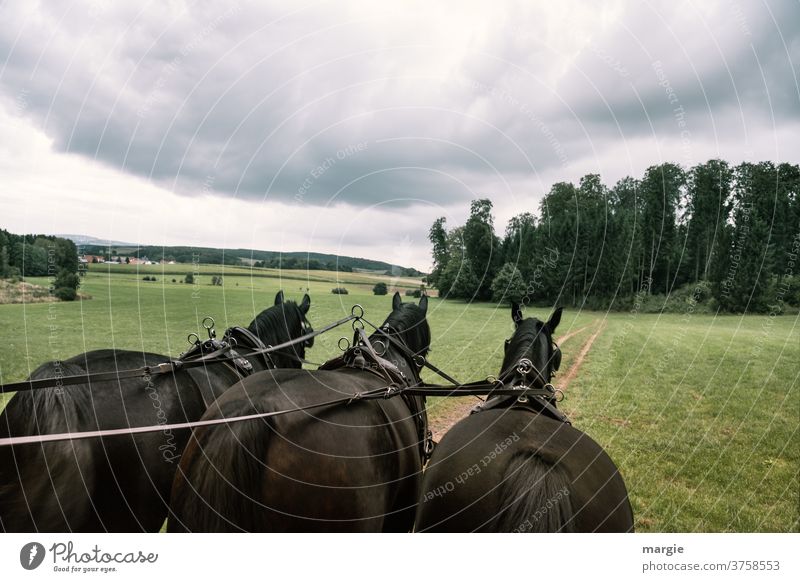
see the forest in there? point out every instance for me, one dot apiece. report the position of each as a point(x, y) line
point(717, 236)
point(32, 255)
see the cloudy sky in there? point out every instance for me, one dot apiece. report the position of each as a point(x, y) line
point(349, 127)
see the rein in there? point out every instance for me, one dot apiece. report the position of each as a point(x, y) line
point(490, 387)
point(170, 367)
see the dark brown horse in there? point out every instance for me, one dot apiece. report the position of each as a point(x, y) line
point(119, 483)
point(516, 466)
point(347, 467)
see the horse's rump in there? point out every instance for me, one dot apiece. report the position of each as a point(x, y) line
point(333, 468)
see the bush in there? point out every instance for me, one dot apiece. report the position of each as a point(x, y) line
point(149, 278)
point(66, 285)
point(508, 284)
point(413, 293)
point(380, 289)
point(189, 279)
point(65, 293)
point(174, 281)
point(339, 291)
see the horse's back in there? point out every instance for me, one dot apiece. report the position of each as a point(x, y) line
point(468, 481)
point(332, 468)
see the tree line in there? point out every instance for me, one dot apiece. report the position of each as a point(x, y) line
point(33, 255)
point(727, 236)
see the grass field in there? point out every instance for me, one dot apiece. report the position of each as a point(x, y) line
point(701, 413)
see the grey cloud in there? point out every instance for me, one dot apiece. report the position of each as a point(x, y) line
point(251, 100)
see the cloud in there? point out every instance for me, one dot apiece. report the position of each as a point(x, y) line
point(403, 106)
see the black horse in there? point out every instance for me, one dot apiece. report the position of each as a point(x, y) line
point(120, 483)
point(346, 467)
point(514, 465)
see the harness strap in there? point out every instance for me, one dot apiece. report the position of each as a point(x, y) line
point(67, 436)
point(168, 367)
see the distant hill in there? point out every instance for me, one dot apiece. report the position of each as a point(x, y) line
point(213, 256)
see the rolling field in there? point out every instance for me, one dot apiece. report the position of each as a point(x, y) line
point(701, 413)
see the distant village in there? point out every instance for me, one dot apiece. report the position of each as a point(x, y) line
point(120, 260)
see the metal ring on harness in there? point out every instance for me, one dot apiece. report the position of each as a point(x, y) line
point(195, 341)
point(357, 324)
point(561, 392)
point(524, 366)
point(357, 311)
point(209, 327)
point(346, 344)
point(382, 351)
point(419, 360)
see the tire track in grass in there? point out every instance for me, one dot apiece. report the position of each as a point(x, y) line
point(444, 421)
point(573, 370)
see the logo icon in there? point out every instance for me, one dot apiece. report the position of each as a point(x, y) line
point(31, 555)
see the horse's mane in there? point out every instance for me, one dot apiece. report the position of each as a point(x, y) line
point(521, 343)
point(410, 324)
point(274, 325)
point(49, 409)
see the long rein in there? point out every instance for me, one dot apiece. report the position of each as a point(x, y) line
point(489, 387)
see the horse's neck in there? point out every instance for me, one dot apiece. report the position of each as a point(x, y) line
point(399, 359)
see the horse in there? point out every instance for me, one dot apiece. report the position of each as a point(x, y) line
point(352, 467)
point(516, 465)
point(121, 483)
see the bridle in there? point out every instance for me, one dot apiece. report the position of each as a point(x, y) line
point(537, 393)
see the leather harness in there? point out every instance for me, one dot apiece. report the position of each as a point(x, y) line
point(363, 356)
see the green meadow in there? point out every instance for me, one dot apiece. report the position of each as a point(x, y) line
point(700, 412)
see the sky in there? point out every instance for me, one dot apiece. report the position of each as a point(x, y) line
point(349, 127)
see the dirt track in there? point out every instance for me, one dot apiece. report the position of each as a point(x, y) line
point(461, 406)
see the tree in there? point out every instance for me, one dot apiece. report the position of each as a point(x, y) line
point(481, 247)
point(708, 208)
point(508, 284)
point(5, 267)
point(66, 285)
point(438, 238)
point(380, 289)
point(661, 192)
point(189, 279)
point(518, 244)
point(465, 283)
point(31, 259)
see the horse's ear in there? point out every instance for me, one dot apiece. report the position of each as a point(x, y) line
point(306, 304)
point(516, 312)
point(423, 304)
point(554, 320)
point(279, 297)
point(396, 300)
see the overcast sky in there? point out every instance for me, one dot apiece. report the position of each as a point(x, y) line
point(349, 127)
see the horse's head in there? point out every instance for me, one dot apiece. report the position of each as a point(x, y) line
point(407, 323)
point(532, 341)
point(285, 321)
